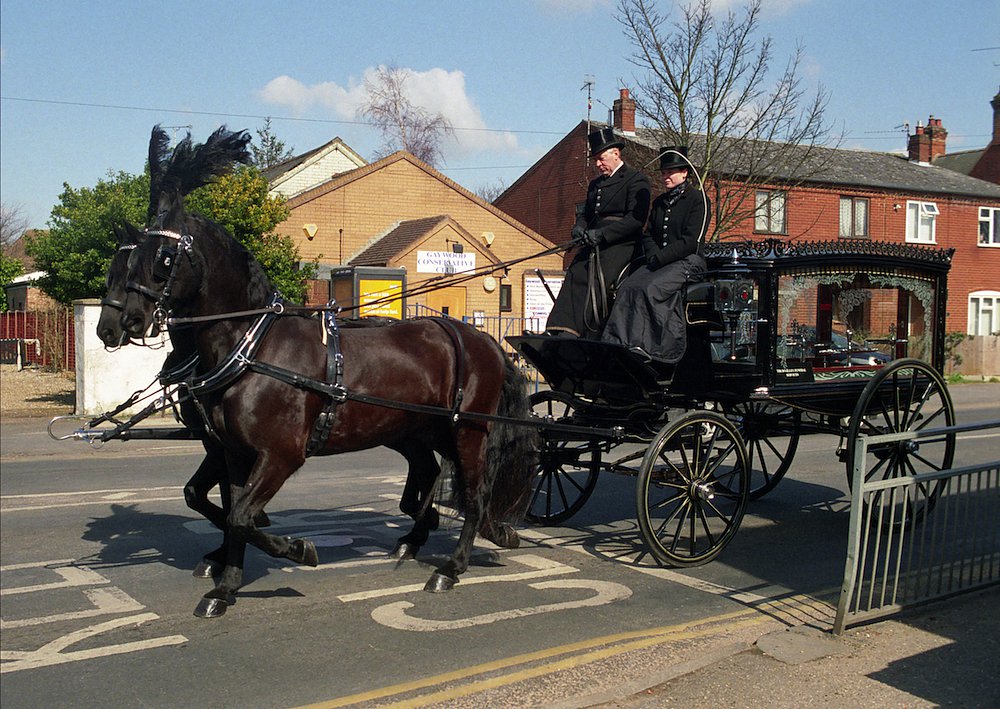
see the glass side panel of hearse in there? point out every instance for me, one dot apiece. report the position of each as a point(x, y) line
point(839, 323)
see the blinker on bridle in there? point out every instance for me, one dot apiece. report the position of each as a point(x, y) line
point(164, 271)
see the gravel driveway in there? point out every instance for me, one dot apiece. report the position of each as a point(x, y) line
point(33, 392)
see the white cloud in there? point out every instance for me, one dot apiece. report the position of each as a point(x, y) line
point(435, 90)
point(293, 94)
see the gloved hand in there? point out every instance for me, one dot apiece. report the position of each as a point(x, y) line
point(593, 237)
point(653, 260)
point(578, 232)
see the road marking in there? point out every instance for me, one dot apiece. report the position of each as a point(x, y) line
point(544, 567)
point(52, 653)
point(71, 575)
point(107, 601)
point(394, 615)
point(580, 653)
point(57, 500)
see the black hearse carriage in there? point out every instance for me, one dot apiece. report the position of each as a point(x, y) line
point(784, 338)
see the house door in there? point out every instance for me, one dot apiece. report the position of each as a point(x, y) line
point(450, 301)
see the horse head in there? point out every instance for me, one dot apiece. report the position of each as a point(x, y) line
point(109, 326)
point(164, 271)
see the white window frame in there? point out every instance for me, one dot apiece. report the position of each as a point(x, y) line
point(984, 304)
point(850, 207)
point(770, 207)
point(921, 222)
point(989, 226)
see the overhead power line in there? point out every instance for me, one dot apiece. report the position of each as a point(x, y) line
point(227, 114)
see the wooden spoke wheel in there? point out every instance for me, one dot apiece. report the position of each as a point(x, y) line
point(771, 434)
point(693, 489)
point(567, 467)
point(905, 395)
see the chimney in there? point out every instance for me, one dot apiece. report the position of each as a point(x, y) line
point(927, 142)
point(623, 111)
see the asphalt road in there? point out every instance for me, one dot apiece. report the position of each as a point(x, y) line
point(97, 548)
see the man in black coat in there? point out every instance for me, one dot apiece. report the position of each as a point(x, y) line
point(647, 314)
point(609, 230)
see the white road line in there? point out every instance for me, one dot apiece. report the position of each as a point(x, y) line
point(107, 601)
point(52, 652)
point(72, 576)
point(393, 615)
point(86, 492)
point(544, 567)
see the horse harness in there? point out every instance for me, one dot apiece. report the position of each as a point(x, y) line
point(242, 358)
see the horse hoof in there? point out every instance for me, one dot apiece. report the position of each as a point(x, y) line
point(439, 583)
point(404, 551)
point(206, 569)
point(303, 551)
point(211, 608)
point(504, 536)
point(261, 520)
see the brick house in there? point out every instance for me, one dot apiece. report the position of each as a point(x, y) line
point(849, 195)
point(400, 212)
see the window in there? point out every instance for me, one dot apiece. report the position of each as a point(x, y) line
point(989, 226)
point(853, 217)
point(770, 212)
point(984, 313)
point(505, 304)
point(920, 222)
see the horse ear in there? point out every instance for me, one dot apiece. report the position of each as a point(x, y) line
point(132, 234)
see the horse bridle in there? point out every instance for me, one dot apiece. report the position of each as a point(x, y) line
point(164, 270)
point(113, 302)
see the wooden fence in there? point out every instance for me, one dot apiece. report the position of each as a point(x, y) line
point(48, 336)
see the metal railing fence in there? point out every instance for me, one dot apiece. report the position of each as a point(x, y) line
point(919, 538)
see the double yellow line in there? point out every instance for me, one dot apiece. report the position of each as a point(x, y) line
point(579, 654)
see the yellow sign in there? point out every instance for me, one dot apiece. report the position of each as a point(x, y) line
point(387, 293)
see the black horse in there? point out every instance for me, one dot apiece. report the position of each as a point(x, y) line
point(215, 157)
point(418, 387)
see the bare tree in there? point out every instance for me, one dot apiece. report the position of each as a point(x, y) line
point(707, 83)
point(403, 125)
point(13, 224)
point(490, 191)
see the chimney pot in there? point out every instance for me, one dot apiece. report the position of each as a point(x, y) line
point(623, 113)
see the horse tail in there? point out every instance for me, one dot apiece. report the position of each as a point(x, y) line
point(511, 451)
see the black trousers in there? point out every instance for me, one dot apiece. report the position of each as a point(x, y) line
point(581, 306)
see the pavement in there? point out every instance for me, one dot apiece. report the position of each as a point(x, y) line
point(943, 654)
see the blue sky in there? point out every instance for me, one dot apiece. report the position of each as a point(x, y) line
point(82, 83)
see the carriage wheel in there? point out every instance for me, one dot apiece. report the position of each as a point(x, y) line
point(771, 434)
point(693, 489)
point(905, 395)
point(567, 469)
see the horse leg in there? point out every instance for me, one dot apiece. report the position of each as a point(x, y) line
point(268, 472)
point(470, 471)
point(210, 473)
point(416, 501)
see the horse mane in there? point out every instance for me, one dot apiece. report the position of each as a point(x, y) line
point(176, 173)
point(259, 288)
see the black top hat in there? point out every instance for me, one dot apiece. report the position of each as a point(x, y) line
point(674, 156)
point(602, 139)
